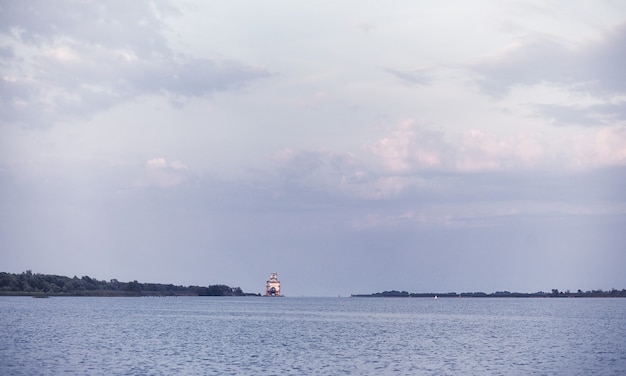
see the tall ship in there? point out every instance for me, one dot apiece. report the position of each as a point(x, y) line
point(272, 286)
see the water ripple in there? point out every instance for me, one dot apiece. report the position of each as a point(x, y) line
point(301, 336)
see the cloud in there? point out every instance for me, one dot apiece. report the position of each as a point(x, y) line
point(409, 148)
point(156, 163)
point(479, 151)
point(160, 173)
point(6, 53)
point(591, 69)
point(75, 60)
point(115, 25)
point(314, 169)
point(366, 27)
point(411, 77)
point(604, 114)
point(530, 61)
point(410, 158)
point(604, 63)
point(479, 191)
point(605, 148)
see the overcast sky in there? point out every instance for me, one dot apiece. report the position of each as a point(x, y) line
point(351, 147)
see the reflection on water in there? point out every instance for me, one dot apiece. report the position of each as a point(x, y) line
point(321, 336)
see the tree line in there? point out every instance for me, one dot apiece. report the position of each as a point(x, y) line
point(29, 283)
point(555, 293)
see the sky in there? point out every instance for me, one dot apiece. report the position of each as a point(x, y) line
point(351, 147)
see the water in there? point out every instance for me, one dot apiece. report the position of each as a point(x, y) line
point(312, 336)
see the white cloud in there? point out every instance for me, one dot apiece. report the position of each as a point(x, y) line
point(160, 173)
point(156, 163)
point(179, 165)
point(409, 148)
point(408, 156)
point(603, 148)
point(479, 151)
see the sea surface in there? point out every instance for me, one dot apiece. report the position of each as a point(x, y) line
point(312, 336)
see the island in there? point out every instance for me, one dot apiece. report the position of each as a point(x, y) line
point(43, 285)
point(554, 293)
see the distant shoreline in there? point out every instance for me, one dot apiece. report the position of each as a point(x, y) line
point(45, 285)
point(554, 293)
point(113, 294)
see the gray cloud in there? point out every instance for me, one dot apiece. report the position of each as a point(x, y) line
point(327, 176)
point(594, 67)
point(90, 57)
point(133, 25)
point(6, 53)
point(594, 115)
point(534, 61)
point(324, 167)
point(412, 77)
point(604, 63)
